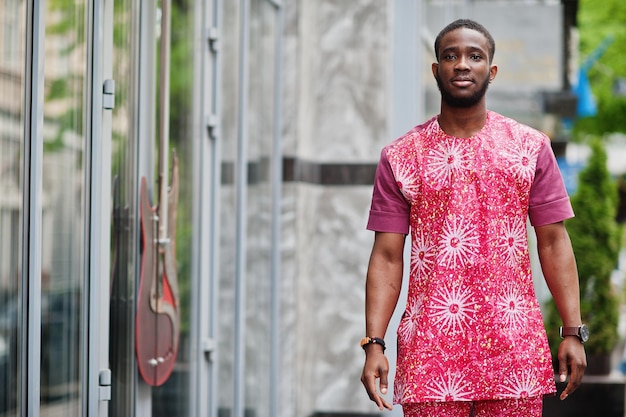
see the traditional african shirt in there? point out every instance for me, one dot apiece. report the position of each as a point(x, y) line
point(472, 328)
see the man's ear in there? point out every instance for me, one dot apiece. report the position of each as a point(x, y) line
point(492, 72)
point(435, 67)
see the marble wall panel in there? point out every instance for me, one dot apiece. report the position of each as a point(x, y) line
point(333, 251)
point(290, 77)
point(343, 69)
point(289, 366)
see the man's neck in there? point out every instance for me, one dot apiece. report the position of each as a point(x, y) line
point(462, 123)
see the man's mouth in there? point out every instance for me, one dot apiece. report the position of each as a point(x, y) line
point(462, 82)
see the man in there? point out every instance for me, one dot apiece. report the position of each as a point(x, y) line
point(471, 340)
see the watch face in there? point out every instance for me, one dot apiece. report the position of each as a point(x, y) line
point(584, 333)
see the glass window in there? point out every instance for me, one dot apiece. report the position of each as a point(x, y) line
point(248, 129)
point(172, 398)
point(124, 222)
point(136, 126)
point(12, 35)
point(260, 122)
point(230, 28)
point(63, 208)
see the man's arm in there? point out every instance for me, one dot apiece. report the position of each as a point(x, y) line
point(559, 269)
point(382, 289)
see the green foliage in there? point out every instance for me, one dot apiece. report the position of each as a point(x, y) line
point(598, 20)
point(69, 19)
point(595, 237)
point(181, 72)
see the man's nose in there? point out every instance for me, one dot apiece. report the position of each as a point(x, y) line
point(462, 63)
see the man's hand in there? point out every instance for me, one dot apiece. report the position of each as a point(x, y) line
point(376, 367)
point(571, 357)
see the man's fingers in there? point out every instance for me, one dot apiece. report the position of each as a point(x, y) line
point(574, 381)
point(571, 387)
point(369, 377)
point(562, 370)
point(383, 384)
point(383, 389)
point(574, 359)
point(563, 377)
point(387, 405)
point(369, 382)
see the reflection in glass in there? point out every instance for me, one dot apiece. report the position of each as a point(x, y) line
point(130, 74)
point(228, 123)
point(12, 35)
point(63, 209)
point(260, 121)
point(254, 131)
point(124, 226)
point(172, 398)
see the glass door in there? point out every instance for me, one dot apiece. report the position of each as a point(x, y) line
point(249, 202)
point(124, 206)
point(12, 79)
point(152, 157)
point(63, 208)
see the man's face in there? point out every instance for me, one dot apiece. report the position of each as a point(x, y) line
point(463, 72)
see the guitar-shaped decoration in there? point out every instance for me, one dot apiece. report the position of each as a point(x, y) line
point(158, 321)
point(157, 324)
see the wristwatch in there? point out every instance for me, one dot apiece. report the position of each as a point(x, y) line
point(369, 340)
point(581, 332)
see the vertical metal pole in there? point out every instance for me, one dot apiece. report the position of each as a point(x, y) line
point(197, 374)
point(30, 336)
point(277, 174)
point(216, 180)
point(241, 213)
point(97, 201)
point(406, 47)
point(408, 108)
point(164, 118)
point(207, 172)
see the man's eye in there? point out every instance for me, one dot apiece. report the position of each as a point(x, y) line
point(449, 57)
point(476, 57)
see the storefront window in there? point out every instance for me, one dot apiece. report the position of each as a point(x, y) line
point(248, 117)
point(124, 206)
point(172, 398)
point(12, 34)
point(63, 217)
point(136, 137)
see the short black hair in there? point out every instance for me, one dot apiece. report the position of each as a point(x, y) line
point(469, 24)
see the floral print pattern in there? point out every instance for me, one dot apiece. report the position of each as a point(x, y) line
point(472, 329)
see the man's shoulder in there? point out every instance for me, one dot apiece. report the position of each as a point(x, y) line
point(409, 137)
point(501, 122)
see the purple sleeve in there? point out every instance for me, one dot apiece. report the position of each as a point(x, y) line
point(389, 211)
point(549, 202)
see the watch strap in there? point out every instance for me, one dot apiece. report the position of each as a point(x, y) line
point(581, 332)
point(570, 331)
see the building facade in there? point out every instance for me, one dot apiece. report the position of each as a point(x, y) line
point(187, 182)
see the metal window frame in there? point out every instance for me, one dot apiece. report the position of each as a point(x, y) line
point(32, 171)
point(97, 203)
point(207, 175)
point(94, 343)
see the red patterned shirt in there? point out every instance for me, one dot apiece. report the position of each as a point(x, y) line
point(472, 328)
